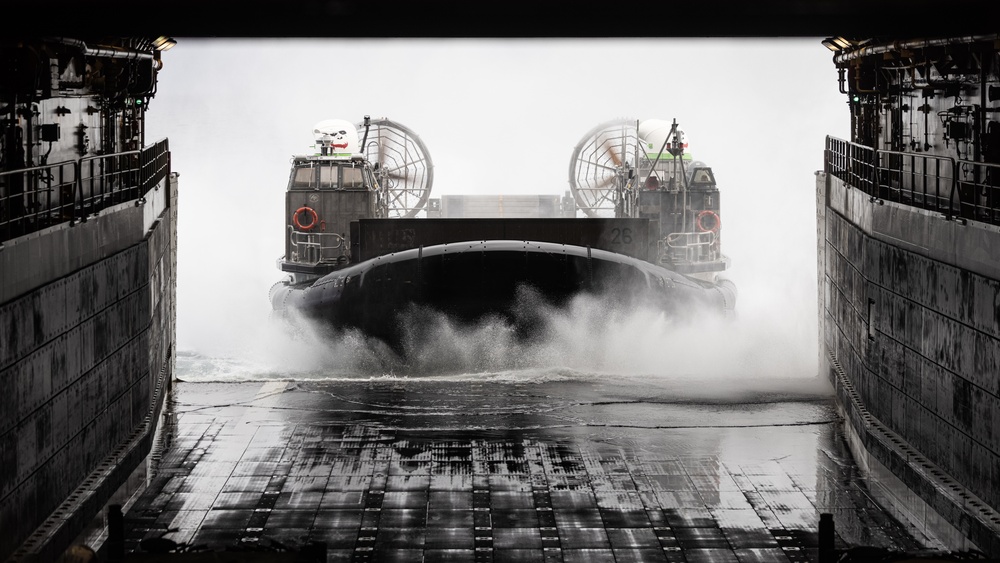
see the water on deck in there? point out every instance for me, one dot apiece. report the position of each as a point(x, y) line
point(528, 465)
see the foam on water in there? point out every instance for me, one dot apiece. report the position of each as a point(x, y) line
point(751, 357)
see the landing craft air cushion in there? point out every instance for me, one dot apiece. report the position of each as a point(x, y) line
point(361, 248)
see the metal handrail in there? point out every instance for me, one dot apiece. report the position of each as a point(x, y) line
point(316, 247)
point(32, 199)
point(961, 189)
point(922, 180)
point(38, 196)
point(690, 247)
point(852, 163)
point(978, 186)
point(679, 240)
point(108, 180)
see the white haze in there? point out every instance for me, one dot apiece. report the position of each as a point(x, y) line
point(500, 117)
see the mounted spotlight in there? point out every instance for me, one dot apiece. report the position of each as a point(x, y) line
point(837, 43)
point(163, 43)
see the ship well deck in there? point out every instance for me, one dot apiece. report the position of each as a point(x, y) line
point(541, 469)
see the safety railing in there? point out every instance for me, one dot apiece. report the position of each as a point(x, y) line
point(921, 180)
point(979, 190)
point(37, 197)
point(852, 163)
point(688, 247)
point(109, 180)
point(314, 248)
point(32, 199)
point(955, 188)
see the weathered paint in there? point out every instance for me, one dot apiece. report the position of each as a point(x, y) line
point(87, 348)
point(915, 327)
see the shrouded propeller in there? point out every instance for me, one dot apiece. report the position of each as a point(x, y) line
point(599, 171)
point(402, 165)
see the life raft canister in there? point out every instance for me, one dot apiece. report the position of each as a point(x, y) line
point(711, 218)
point(311, 216)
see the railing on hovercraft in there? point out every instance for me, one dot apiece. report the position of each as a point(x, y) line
point(318, 248)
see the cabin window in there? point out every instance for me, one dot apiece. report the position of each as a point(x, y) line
point(328, 177)
point(303, 178)
point(353, 178)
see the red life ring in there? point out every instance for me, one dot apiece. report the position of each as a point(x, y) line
point(312, 215)
point(716, 222)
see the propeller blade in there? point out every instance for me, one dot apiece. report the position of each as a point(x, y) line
point(611, 149)
point(414, 164)
point(381, 153)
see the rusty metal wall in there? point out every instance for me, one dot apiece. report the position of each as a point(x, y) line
point(915, 331)
point(83, 359)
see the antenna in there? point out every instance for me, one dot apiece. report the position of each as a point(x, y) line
point(367, 124)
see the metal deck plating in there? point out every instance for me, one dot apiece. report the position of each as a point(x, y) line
point(445, 469)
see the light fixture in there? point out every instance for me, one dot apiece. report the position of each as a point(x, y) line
point(163, 43)
point(837, 43)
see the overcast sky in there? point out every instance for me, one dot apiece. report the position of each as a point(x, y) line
point(498, 117)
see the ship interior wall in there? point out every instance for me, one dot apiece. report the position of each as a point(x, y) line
point(911, 332)
point(83, 360)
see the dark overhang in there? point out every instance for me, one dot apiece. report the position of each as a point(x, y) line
point(504, 18)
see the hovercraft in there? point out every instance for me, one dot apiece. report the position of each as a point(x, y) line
point(365, 242)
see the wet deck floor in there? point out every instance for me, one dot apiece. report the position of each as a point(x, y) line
point(467, 470)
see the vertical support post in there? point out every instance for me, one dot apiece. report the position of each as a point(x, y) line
point(826, 538)
point(116, 534)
